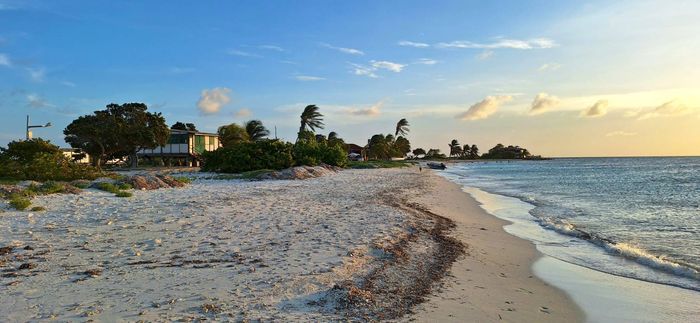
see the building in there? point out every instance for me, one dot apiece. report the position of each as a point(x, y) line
point(76, 155)
point(184, 148)
point(356, 152)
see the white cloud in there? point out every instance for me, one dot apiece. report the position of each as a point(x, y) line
point(243, 113)
point(426, 61)
point(502, 43)
point(36, 74)
point(212, 100)
point(484, 108)
point(308, 78)
point(620, 133)
point(542, 103)
point(549, 67)
point(486, 54)
point(371, 111)
point(391, 66)
point(5, 60)
point(345, 50)
point(236, 52)
point(272, 47)
point(598, 109)
point(672, 108)
point(35, 101)
point(413, 44)
point(364, 70)
point(375, 66)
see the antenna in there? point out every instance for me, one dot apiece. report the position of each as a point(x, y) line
point(275, 132)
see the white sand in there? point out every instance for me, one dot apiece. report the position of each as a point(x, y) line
point(241, 249)
point(270, 250)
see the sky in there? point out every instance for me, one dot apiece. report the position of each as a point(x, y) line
point(561, 78)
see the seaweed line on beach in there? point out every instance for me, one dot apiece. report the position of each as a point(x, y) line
point(415, 262)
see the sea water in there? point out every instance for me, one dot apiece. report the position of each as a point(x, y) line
point(631, 217)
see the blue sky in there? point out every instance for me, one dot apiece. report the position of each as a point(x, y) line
point(562, 78)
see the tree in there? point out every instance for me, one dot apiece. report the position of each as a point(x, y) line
point(465, 151)
point(184, 126)
point(435, 153)
point(25, 151)
point(511, 152)
point(474, 152)
point(402, 146)
point(311, 119)
point(378, 147)
point(335, 140)
point(118, 131)
point(418, 151)
point(255, 130)
point(401, 128)
point(455, 148)
point(232, 134)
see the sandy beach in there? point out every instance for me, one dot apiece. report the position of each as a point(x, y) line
point(359, 244)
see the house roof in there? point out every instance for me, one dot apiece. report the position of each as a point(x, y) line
point(178, 131)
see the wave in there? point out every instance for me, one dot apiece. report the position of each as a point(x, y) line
point(622, 249)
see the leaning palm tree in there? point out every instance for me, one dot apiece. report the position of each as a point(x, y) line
point(256, 130)
point(311, 118)
point(401, 128)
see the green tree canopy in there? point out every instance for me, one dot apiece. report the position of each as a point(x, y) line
point(311, 119)
point(232, 134)
point(256, 130)
point(419, 151)
point(184, 126)
point(118, 131)
point(402, 128)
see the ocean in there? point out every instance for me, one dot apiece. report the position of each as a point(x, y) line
point(632, 217)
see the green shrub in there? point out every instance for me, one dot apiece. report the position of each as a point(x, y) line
point(83, 184)
point(52, 187)
point(125, 186)
point(38, 209)
point(19, 202)
point(123, 194)
point(311, 153)
point(247, 156)
point(183, 179)
point(40, 160)
point(107, 187)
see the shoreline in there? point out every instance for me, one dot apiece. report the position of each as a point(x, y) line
point(495, 280)
point(601, 296)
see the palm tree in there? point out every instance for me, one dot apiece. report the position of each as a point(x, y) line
point(232, 134)
point(401, 128)
point(455, 148)
point(256, 130)
point(311, 118)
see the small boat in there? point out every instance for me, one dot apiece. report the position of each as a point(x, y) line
point(437, 165)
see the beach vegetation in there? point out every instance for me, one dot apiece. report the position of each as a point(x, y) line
point(118, 131)
point(247, 156)
point(19, 202)
point(107, 187)
point(370, 164)
point(39, 160)
point(123, 194)
point(37, 209)
point(455, 148)
point(124, 186)
point(183, 179)
point(418, 152)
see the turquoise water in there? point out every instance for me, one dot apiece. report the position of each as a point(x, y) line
point(632, 217)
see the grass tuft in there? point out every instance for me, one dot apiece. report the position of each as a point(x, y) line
point(125, 186)
point(378, 164)
point(38, 209)
point(107, 187)
point(183, 179)
point(19, 202)
point(123, 194)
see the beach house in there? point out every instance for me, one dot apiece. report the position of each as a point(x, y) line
point(184, 148)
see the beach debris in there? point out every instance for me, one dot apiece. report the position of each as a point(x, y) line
point(27, 266)
point(6, 250)
point(152, 182)
point(214, 308)
point(93, 272)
